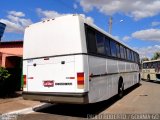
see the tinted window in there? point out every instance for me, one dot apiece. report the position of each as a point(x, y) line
point(107, 46)
point(125, 53)
point(158, 64)
point(113, 48)
point(137, 58)
point(155, 64)
point(122, 51)
point(91, 41)
point(132, 55)
point(118, 50)
point(129, 55)
point(145, 65)
point(100, 43)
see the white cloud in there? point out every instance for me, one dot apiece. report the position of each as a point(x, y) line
point(11, 26)
point(15, 22)
point(126, 38)
point(153, 24)
point(48, 14)
point(17, 14)
point(148, 51)
point(137, 9)
point(89, 19)
point(149, 34)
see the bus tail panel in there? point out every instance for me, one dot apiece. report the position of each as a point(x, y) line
point(51, 75)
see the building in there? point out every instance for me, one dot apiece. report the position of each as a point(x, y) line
point(11, 53)
point(2, 28)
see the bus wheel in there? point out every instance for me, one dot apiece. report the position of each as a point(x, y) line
point(148, 78)
point(139, 80)
point(120, 89)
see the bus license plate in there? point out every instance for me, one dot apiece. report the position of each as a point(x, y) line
point(48, 83)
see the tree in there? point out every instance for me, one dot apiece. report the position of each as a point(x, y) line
point(156, 56)
point(145, 59)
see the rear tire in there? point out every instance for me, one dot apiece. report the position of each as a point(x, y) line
point(120, 90)
point(139, 80)
point(148, 78)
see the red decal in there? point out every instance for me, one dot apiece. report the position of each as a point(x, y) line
point(48, 83)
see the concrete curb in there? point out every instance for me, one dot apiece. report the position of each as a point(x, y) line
point(28, 110)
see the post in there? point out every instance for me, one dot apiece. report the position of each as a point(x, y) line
point(110, 24)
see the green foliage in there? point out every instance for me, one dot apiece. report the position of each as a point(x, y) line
point(156, 56)
point(4, 74)
point(145, 59)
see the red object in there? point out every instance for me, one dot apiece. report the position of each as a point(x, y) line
point(80, 78)
point(24, 79)
point(48, 83)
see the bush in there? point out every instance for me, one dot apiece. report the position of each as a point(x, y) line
point(4, 74)
point(4, 78)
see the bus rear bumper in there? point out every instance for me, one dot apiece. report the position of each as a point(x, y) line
point(72, 98)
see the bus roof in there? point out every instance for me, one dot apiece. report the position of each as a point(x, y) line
point(90, 24)
point(151, 61)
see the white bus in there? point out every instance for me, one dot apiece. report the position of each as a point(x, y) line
point(69, 60)
point(151, 70)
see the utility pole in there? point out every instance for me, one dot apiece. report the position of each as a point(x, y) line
point(110, 25)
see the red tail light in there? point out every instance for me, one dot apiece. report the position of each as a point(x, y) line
point(24, 81)
point(80, 80)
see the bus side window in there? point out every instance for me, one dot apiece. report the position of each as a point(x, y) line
point(107, 46)
point(128, 54)
point(100, 44)
point(91, 41)
point(122, 52)
point(113, 48)
point(125, 53)
point(143, 65)
point(118, 50)
point(132, 56)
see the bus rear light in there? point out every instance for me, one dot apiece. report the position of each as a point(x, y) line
point(80, 80)
point(24, 81)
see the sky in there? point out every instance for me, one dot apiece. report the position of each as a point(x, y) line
point(135, 22)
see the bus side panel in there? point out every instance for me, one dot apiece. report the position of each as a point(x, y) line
point(102, 87)
point(107, 73)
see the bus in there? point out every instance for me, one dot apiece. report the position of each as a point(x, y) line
point(151, 70)
point(70, 60)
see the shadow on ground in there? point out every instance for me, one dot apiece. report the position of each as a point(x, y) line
point(11, 95)
point(83, 111)
point(152, 81)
